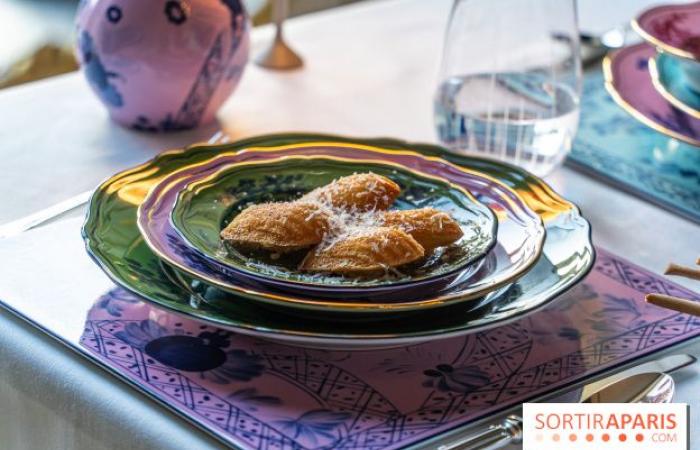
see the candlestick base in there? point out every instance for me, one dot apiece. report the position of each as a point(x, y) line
point(279, 57)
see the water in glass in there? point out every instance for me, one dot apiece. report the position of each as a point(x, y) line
point(510, 81)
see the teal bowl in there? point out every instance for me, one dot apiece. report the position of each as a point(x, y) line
point(678, 81)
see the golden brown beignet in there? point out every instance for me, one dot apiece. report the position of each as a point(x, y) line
point(430, 227)
point(277, 227)
point(362, 191)
point(369, 253)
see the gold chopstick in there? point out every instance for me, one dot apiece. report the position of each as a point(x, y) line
point(677, 304)
point(683, 271)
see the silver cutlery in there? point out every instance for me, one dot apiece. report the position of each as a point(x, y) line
point(645, 383)
point(35, 219)
point(664, 364)
point(655, 387)
point(45, 215)
point(652, 387)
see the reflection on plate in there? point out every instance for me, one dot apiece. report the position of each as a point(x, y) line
point(629, 82)
point(122, 253)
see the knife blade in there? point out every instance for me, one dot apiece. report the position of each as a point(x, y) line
point(664, 365)
point(57, 210)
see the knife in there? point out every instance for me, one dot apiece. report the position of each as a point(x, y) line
point(45, 215)
point(665, 365)
point(512, 424)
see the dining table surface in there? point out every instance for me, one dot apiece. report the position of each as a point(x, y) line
point(369, 70)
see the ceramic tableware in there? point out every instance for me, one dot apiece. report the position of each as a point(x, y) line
point(165, 65)
point(675, 31)
point(672, 83)
point(113, 239)
point(203, 208)
point(629, 82)
point(519, 238)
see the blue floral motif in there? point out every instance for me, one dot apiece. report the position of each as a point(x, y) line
point(189, 353)
point(252, 400)
point(237, 12)
point(234, 71)
point(114, 14)
point(138, 334)
point(239, 366)
point(113, 302)
point(236, 9)
point(676, 120)
point(569, 333)
point(416, 358)
point(205, 353)
point(618, 306)
point(642, 64)
point(143, 123)
point(360, 416)
point(616, 146)
point(175, 12)
point(96, 72)
point(446, 378)
point(315, 425)
point(579, 293)
point(191, 111)
point(617, 313)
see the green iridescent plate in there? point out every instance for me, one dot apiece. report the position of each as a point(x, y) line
point(205, 207)
point(113, 239)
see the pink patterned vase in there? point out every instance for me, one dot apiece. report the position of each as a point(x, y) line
point(161, 65)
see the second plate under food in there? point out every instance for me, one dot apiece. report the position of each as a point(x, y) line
point(519, 238)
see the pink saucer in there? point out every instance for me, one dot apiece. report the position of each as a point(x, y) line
point(629, 82)
point(674, 29)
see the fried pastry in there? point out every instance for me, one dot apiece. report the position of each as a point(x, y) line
point(370, 252)
point(363, 192)
point(277, 227)
point(430, 227)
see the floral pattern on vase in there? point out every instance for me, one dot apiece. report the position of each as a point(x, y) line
point(162, 66)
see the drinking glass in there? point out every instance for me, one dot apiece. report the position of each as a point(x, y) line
point(510, 81)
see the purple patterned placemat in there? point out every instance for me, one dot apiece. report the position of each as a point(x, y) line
point(261, 395)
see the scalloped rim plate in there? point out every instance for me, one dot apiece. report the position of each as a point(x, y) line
point(630, 85)
point(112, 239)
